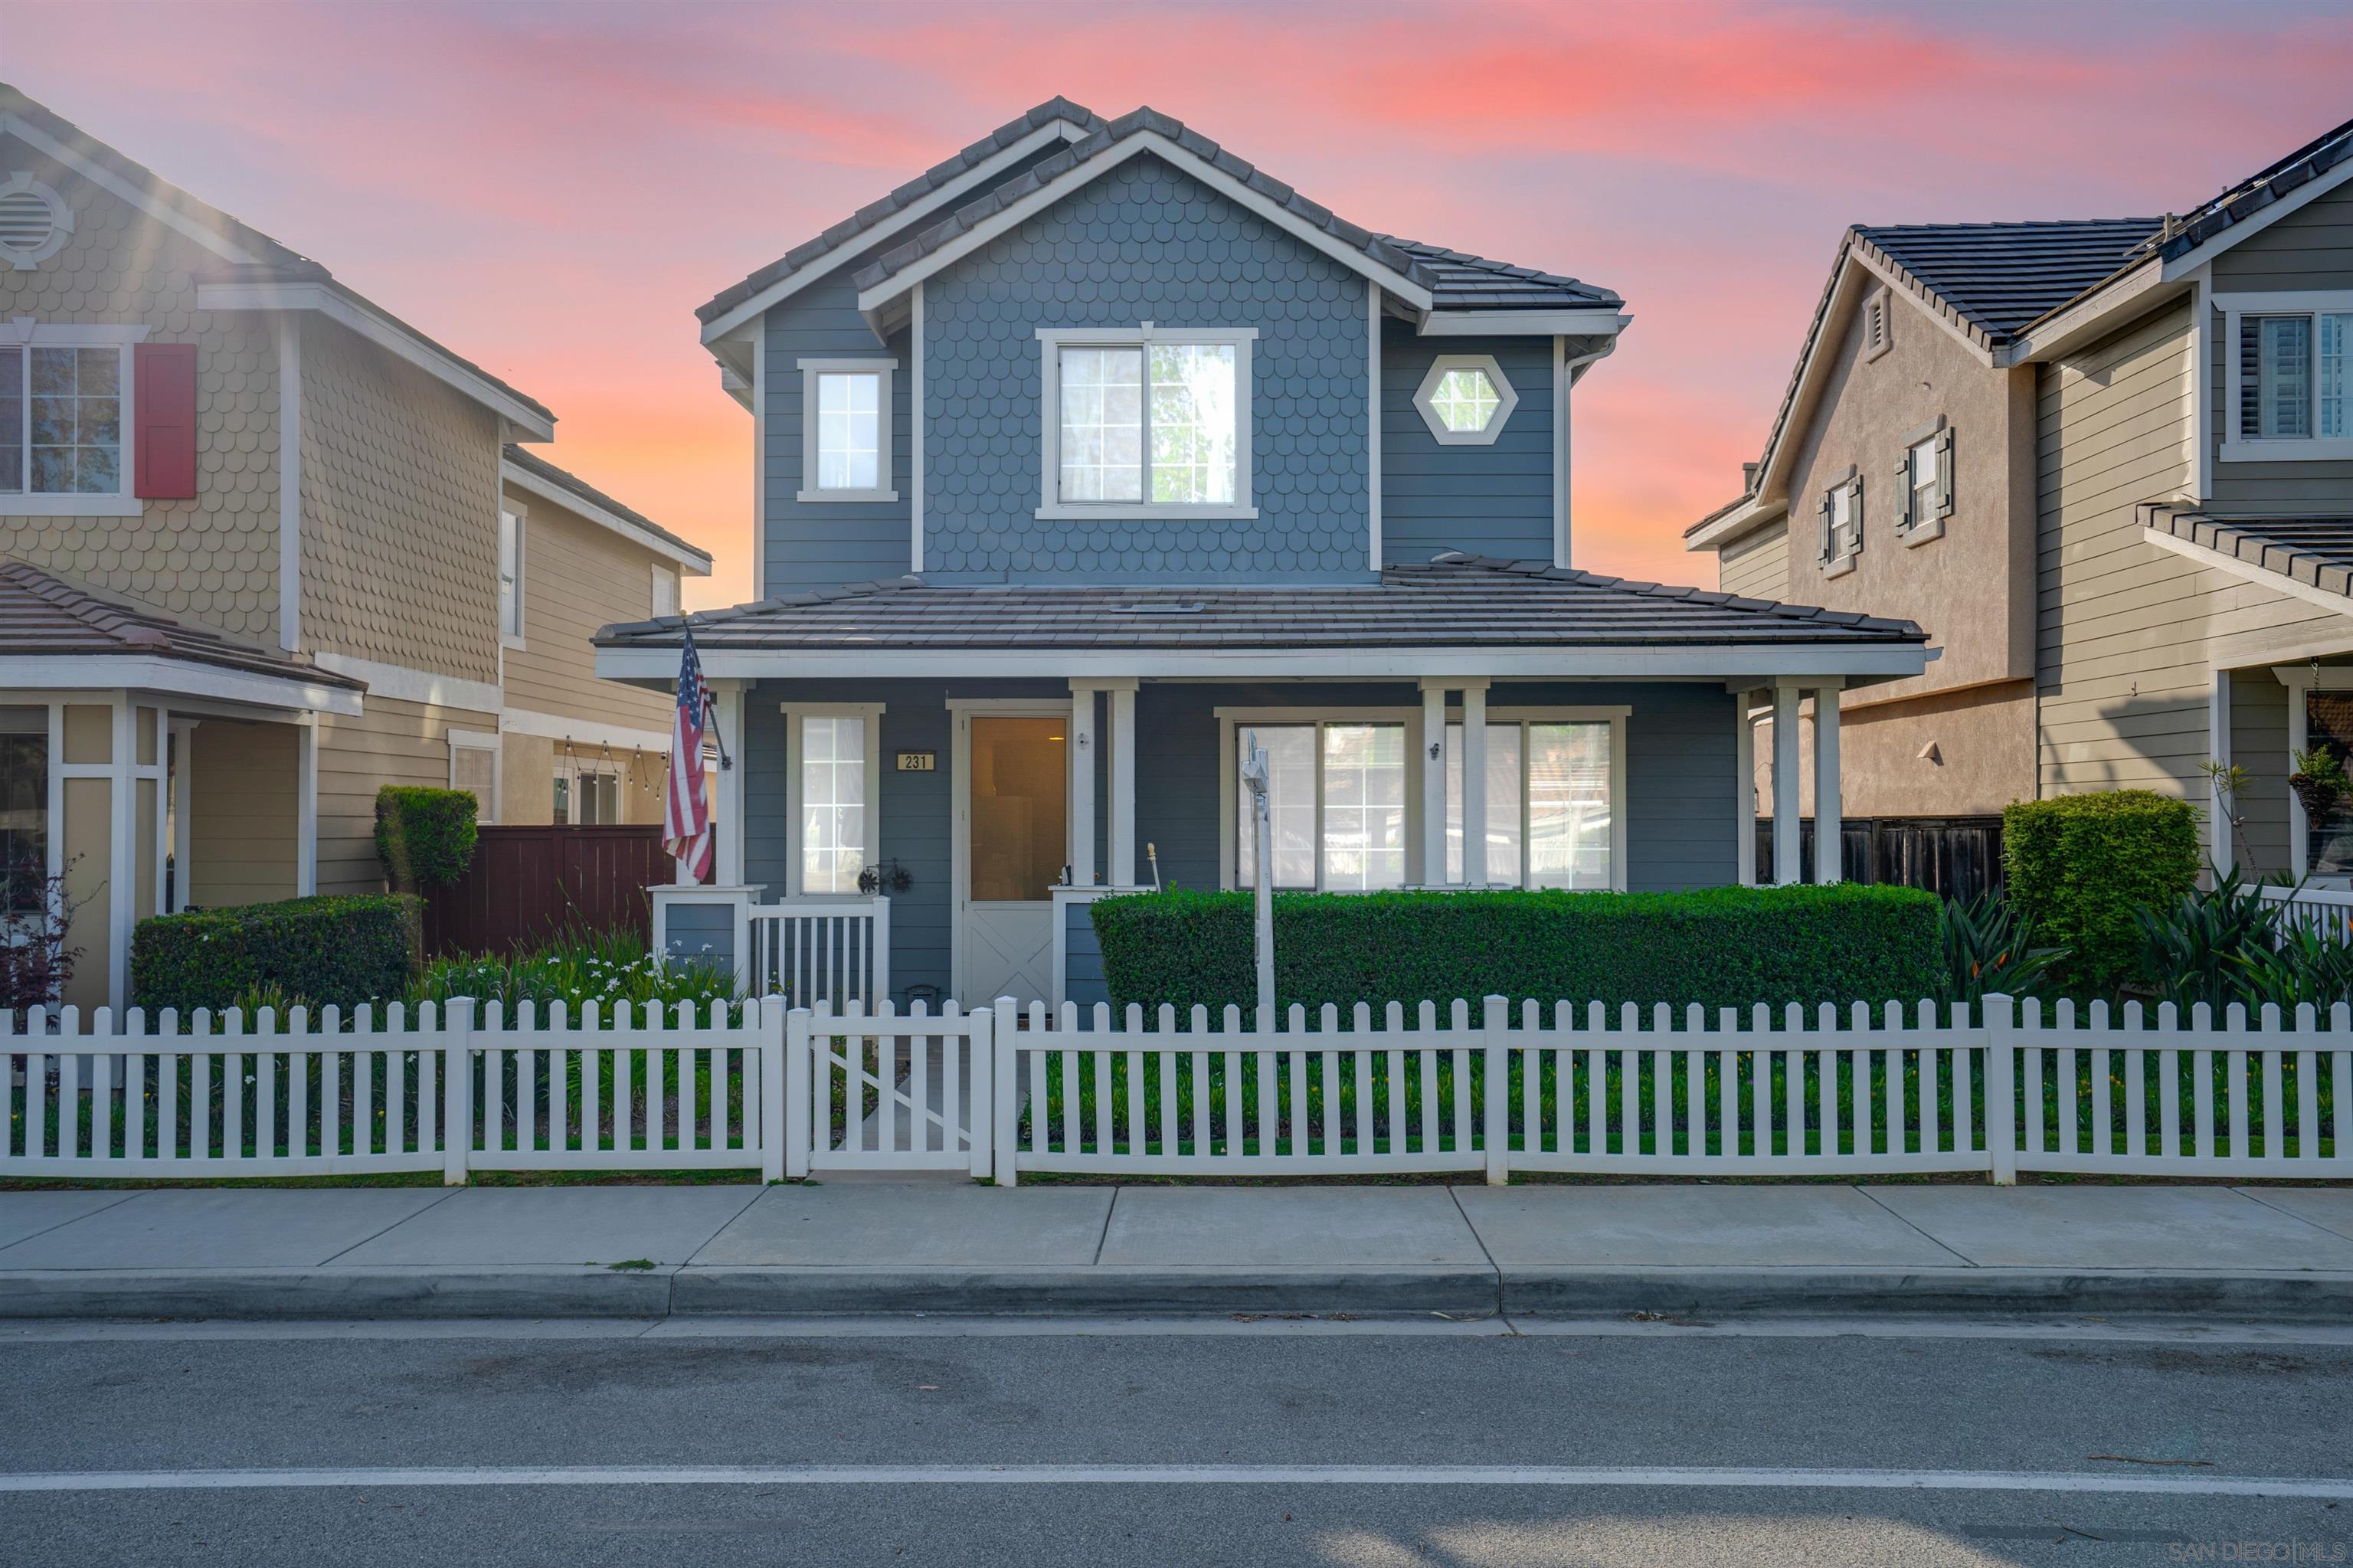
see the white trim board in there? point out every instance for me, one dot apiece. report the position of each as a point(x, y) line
point(1700, 662)
point(289, 482)
point(402, 684)
point(367, 322)
point(1015, 214)
point(828, 259)
point(2248, 571)
point(173, 677)
point(1600, 321)
point(696, 563)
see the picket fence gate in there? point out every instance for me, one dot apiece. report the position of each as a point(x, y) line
point(998, 1091)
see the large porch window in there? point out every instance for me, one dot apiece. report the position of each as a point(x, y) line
point(1337, 799)
point(23, 808)
point(1549, 814)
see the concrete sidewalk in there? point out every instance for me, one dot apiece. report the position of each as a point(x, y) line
point(870, 1246)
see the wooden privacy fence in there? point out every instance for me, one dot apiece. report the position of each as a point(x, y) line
point(529, 885)
point(1953, 857)
point(996, 1092)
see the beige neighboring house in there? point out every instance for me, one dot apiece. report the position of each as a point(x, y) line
point(265, 547)
point(2108, 465)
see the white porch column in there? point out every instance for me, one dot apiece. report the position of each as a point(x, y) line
point(1744, 791)
point(1828, 850)
point(1474, 783)
point(306, 805)
point(1081, 753)
point(727, 811)
point(1122, 823)
point(1785, 804)
point(2218, 847)
point(1433, 782)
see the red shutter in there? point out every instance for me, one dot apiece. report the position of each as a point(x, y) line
point(164, 387)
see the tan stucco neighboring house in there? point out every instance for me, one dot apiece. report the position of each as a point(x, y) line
point(265, 546)
point(2108, 465)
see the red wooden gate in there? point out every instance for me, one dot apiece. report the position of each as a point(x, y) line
point(530, 885)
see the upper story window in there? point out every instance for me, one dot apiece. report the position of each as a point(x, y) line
point(1839, 517)
point(846, 429)
point(511, 578)
point(67, 418)
point(665, 600)
point(1152, 422)
point(2288, 375)
point(1465, 399)
point(1925, 484)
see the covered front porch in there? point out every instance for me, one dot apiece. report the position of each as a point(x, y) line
point(925, 824)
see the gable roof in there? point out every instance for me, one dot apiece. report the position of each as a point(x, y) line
point(1055, 112)
point(1464, 282)
point(527, 471)
point(45, 615)
point(2258, 190)
point(1997, 277)
point(1398, 267)
point(254, 264)
point(1454, 600)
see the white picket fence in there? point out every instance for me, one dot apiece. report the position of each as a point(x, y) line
point(997, 1092)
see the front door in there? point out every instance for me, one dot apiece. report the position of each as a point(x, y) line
point(1016, 824)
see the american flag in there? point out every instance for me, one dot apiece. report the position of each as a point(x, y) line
point(687, 830)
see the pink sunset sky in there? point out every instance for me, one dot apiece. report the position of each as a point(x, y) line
point(551, 189)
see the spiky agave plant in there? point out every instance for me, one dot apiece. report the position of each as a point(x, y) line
point(1990, 946)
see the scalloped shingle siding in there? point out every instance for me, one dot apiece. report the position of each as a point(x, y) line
point(213, 558)
point(399, 512)
point(1075, 265)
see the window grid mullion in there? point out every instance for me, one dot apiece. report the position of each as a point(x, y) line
point(1143, 417)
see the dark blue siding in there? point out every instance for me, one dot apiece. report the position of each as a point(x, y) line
point(1082, 973)
point(1490, 499)
point(1146, 243)
point(812, 543)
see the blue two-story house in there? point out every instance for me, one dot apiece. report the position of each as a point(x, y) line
point(1093, 452)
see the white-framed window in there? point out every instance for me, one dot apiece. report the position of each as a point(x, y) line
point(67, 421)
point(665, 585)
point(1839, 525)
point(1148, 421)
point(1346, 809)
point(1555, 813)
point(833, 759)
point(474, 768)
point(2287, 373)
point(1465, 399)
point(511, 545)
point(846, 429)
point(588, 791)
point(1924, 483)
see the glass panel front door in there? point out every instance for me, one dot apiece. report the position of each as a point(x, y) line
point(1017, 824)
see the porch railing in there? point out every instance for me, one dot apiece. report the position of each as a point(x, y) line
point(2323, 911)
point(829, 952)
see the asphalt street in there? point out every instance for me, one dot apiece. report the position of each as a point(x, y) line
point(1233, 1443)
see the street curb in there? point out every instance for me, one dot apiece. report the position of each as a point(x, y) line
point(1090, 1291)
point(787, 1291)
point(1791, 1292)
point(422, 1293)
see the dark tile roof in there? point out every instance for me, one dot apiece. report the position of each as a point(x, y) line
point(875, 214)
point(563, 479)
point(1999, 277)
point(41, 613)
point(1452, 601)
point(2315, 551)
point(1474, 283)
point(1387, 253)
point(2257, 191)
point(278, 263)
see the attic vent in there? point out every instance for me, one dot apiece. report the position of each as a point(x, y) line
point(34, 221)
point(1875, 341)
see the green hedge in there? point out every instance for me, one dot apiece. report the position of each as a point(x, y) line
point(1721, 947)
point(2079, 865)
point(344, 950)
point(424, 837)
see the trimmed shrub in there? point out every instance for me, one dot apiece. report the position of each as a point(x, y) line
point(424, 837)
point(343, 949)
point(1721, 947)
point(2079, 867)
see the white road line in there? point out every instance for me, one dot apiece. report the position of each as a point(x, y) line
point(2131, 1480)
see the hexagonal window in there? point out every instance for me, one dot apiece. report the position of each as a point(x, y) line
point(1465, 399)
